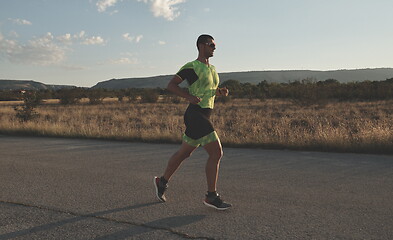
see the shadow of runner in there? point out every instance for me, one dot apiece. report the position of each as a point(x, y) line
point(165, 224)
point(45, 227)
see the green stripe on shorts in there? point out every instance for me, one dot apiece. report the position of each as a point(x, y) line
point(211, 137)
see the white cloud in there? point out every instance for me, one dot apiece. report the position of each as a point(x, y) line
point(129, 54)
point(138, 38)
point(128, 37)
point(94, 41)
point(20, 21)
point(81, 35)
point(44, 50)
point(73, 67)
point(102, 5)
point(65, 39)
point(39, 51)
point(114, 12)
point(164, 8)
point(160, 8)
point(124, 60)
point(161, 43)
point(13, 34)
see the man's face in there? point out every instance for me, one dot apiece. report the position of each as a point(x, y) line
point(209, 48)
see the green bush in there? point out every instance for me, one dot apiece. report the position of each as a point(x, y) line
point(70, 96)
point(27, 112)
point(96, 96)
point(150, 96)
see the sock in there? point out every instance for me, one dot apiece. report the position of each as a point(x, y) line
point(211, 194)
point(163, 180)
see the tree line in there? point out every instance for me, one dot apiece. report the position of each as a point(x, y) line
point(309, 91)
point(76, 94)
point(306, 91)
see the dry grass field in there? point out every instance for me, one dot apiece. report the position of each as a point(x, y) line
point(364, 127)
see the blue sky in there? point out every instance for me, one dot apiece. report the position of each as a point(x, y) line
point(82, 42)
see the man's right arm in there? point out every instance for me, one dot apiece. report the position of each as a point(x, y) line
point(173, 86)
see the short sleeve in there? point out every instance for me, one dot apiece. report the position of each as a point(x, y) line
point(188, 74)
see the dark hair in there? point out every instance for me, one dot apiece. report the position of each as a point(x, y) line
point(203, 39)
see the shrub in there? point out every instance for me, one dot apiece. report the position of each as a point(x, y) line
point(69, 96)
point(27, 112)
point(120, 94)
point(96, 96)
point(150, 96)
point(132, 94)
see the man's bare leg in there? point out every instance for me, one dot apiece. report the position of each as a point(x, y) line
point(214, 200)
point(214, 150)
point(177, 158)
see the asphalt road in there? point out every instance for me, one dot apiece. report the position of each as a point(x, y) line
point(52, 188)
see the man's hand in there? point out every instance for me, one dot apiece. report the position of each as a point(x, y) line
point(193, 99)
point(173, 86)
point(222, 92)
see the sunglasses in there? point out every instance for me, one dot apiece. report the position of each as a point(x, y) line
point(212, 45)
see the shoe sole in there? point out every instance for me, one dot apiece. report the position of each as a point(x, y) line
point(212, 206)
point(155, 185)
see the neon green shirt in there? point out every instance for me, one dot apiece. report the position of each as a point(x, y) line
point(203, 81)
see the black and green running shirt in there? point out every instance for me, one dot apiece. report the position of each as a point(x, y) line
point(203, 81)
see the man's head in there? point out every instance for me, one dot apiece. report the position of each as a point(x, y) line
point(206, 45)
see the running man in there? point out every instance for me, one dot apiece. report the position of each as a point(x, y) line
point(203, 81)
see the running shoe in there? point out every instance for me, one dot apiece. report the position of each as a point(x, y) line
point(217, 203)
point(160, 189)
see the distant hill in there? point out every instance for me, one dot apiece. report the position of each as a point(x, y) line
point(28, 85)
point(255, 77)
point(147, 82)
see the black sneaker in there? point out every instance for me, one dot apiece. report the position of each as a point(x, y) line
point(217, 203)
point(160, 189)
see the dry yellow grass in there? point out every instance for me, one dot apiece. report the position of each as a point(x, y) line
point(342, 126)
point(358, 127)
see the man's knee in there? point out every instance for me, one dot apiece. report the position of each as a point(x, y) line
point(220, 153)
